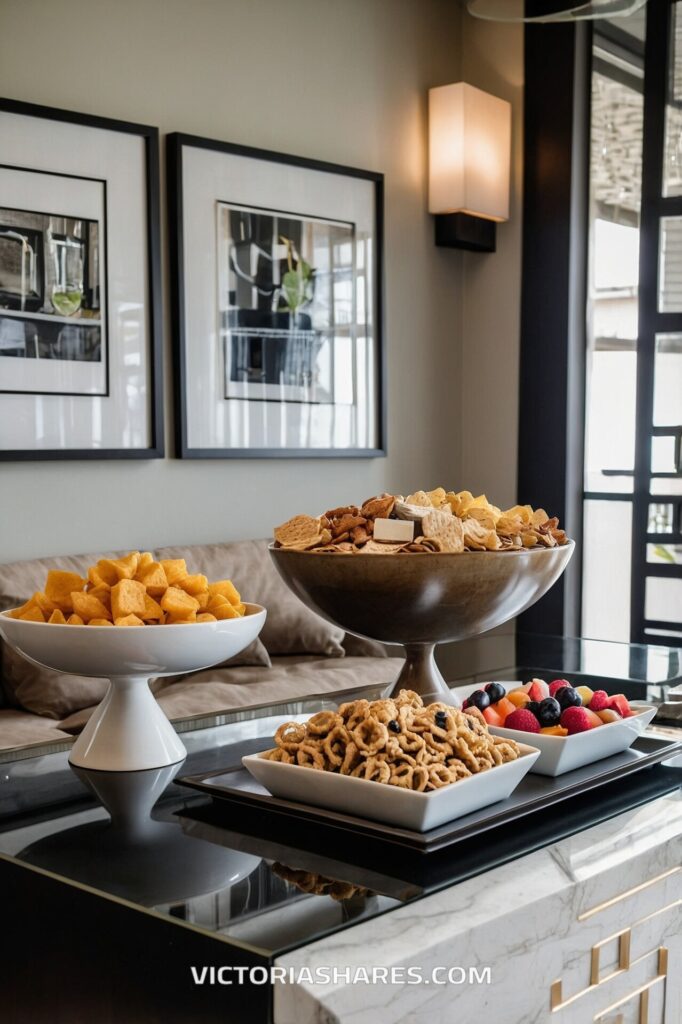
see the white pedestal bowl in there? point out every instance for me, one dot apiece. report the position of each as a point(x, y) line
point(129, 731)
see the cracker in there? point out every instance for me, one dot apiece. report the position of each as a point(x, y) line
point(446, 529)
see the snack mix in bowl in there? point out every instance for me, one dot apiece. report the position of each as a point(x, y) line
point(132, 591)
point(422, 523)
point(399, 741)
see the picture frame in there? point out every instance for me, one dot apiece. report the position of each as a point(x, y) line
point(277, 304)
point(81, 344)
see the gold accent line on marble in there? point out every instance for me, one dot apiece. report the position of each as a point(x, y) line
point(642, 992)
point(557, 1002)
point(628, 892)
point(624, 938)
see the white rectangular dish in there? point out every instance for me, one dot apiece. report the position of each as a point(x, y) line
point(559, 754)
point(393, 805)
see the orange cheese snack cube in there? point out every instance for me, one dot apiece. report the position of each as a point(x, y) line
point(175, 569)
point(227, 589)
point(59, 587)
point(178, 604)
point(89, 607)
point(127, 598)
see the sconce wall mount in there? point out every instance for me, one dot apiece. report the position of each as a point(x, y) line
point(469, 164)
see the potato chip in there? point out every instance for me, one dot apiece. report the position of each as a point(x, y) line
point(459, 501)
point(128, 620)
point(127, 598)
point(206, 617)
point(445, 528)
point(74, 620)
point(419, 498)
point(478, 537)
point(100, 622)
point(437, 497)
point(57, 616)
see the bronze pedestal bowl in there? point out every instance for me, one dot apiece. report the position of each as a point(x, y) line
point(420, 600)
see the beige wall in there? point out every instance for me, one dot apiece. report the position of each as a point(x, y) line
point(340, 80)
point(492, 59)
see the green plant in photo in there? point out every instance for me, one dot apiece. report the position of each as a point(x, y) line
point(297, 283)
point(662, 552)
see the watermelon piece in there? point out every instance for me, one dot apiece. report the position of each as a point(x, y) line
point(619, 703)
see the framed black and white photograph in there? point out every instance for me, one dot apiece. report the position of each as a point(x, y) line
point(277, 272)
point(80, 320)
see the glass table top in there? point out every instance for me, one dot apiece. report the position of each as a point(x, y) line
point(141, 838)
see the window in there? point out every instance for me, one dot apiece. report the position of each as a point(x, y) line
point(632, 547)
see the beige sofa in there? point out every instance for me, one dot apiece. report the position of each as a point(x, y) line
point(297, 654)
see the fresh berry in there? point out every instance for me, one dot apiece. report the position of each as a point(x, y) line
point(522, 720)
point(538, 690)
point(394, 726)
point(576, 719)
point(619, 703)
point(556, 684)
point(534, 707)
point(466, 704)
point(549, 712)
point(519, 698)
point(493, 716)
point(441, 719)
point(586, 694)
point(600, 700)
point(495, 691)
point(594, 718)
point(568, 698)
point(478, 699)
point(609, 715)
point(554, 730)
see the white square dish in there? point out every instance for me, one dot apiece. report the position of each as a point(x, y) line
point(393, 805)
point(559, 754)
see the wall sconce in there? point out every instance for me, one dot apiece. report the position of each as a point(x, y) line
point(469, 158)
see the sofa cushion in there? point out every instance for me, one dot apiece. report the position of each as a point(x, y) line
point(290, 627)
point(21, 729)
point(55, 694)
point(289, 677)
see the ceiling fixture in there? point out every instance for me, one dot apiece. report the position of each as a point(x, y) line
point(552, 10)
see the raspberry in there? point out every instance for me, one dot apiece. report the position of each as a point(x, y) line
point(556, 685)
point(523, 720)
point(600, 700)
point(576, 720)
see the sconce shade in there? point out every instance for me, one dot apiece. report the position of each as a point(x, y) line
point(469, 152)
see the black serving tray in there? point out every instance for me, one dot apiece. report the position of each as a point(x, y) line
point(536, 792)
